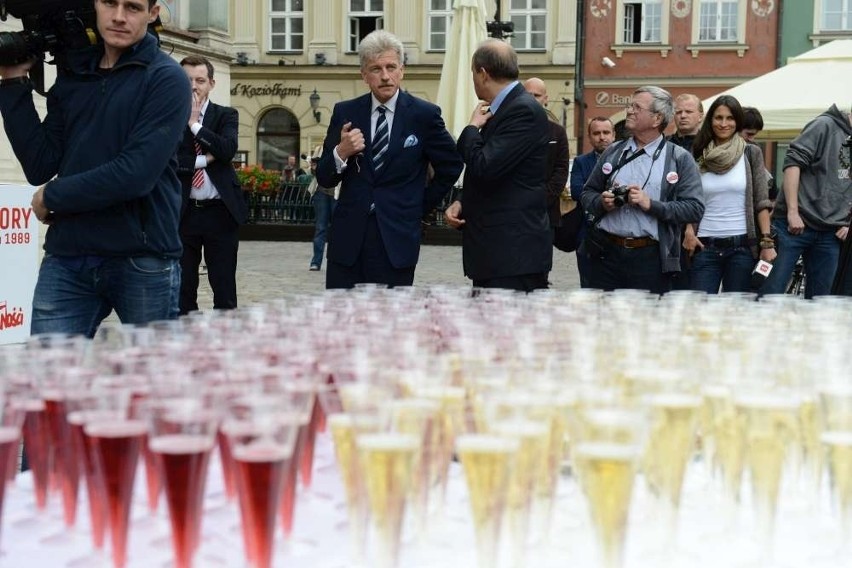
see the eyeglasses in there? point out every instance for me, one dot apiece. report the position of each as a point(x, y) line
point(635, 108)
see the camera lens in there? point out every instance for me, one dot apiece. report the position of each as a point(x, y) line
point(14, 48)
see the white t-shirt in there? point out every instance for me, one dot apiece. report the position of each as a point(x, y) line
point(724, 202)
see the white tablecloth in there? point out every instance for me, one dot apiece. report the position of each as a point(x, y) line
point(807, 533)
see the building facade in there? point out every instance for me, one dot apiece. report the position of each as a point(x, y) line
point(685, 46)
point(295, 59)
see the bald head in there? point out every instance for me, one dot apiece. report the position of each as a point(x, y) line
point(537, 88)
point(494, 65)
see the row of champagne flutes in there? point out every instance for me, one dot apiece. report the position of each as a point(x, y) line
point(512, 377)
point(628, 378)
point(107, 411)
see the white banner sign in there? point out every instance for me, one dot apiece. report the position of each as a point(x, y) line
point(19, 261)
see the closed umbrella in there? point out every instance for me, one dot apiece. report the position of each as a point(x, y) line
point(456, 96)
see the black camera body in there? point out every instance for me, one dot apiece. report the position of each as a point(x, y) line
point(620, 193)
point(50, 26)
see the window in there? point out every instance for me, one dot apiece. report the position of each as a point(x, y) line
point(642, 21)
point(365, 16)
point(440, 23)
point(286, 25)
point(642, 25)
point(277, 138)
point(170, 13)
point(835, 15)
point(240, 159)
point(530, 19)
point(718, 20)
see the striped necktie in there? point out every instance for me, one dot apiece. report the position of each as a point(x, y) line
point(380, 140)
point(198, 175)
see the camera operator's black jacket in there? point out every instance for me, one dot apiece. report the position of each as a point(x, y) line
point(111, 141)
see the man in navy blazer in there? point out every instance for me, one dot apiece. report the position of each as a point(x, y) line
point(601, 135)
point(507, 241)
point(380, 147)
point(213, 206)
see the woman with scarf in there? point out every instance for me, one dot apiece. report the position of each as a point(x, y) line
point(734, 231)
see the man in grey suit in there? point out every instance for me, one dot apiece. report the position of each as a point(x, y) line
point(502, 213)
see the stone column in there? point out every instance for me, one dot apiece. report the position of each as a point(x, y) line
point(323, 34)
point(565, 46)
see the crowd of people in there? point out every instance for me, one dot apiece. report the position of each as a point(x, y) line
point(133, 164)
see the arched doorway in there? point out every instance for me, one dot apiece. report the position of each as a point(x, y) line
point(277, 138)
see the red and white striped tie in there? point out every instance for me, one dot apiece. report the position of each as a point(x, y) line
point(198, 175)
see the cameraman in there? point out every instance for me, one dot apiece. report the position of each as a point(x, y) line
point(639, 195)
point(114, 120)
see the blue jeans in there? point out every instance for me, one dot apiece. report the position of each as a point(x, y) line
point(731, 267)
point(820, 251)
point(74, 296)
point(324, 205)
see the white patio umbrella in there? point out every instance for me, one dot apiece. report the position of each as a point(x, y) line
point(456, 96)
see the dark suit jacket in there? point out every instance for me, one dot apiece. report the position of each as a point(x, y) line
point(504, 201)
point(557, 169)
point(218, 135)
point(580, 172)
point(400, 190)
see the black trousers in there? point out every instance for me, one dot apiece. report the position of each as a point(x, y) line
point(372, 265)
point(211, 231)
point(520, 283)
point(611, 266)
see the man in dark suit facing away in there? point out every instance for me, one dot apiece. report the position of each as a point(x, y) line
point(213, 206)
point(379, 147)
point(503, 209)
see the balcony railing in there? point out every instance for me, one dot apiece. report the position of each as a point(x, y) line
point(291, 205)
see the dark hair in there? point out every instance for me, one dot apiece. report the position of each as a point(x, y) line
point(195, 61)
point(599, 119)
point(752, 119)
point(497, 58)
point(705, 134)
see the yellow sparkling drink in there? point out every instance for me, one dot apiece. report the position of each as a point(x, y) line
point(671, 442)
point(533, 438)
point(343, 434)
point(838, 448)
point(387, 460)
point(809, 423)
point(771, 427)
point(728, 442)
point(714, 400)
point(487, 462)
point(607, 472)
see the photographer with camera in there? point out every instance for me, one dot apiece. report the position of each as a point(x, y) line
point(114, 119)
point(638, 197)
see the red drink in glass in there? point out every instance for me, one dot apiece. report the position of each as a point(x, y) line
point(291, 476)
point(227, 464)
point(184, 459)
point(94, 481)
point(259, 470)
point(37, 447)
point(306, 460)
point(117, 445)
point(9, 439)
point(65, 459)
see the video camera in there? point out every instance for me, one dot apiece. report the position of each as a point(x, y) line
point(50, 26)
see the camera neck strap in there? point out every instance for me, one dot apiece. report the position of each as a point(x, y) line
point(625, 159)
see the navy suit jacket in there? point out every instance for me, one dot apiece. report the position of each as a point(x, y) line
point(580, 172)
point(401, 191)
point(218, 136)
point(504, 201)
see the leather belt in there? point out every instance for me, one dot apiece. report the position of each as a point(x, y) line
point(630, 242)
point(202, 203)
point(725, 242)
